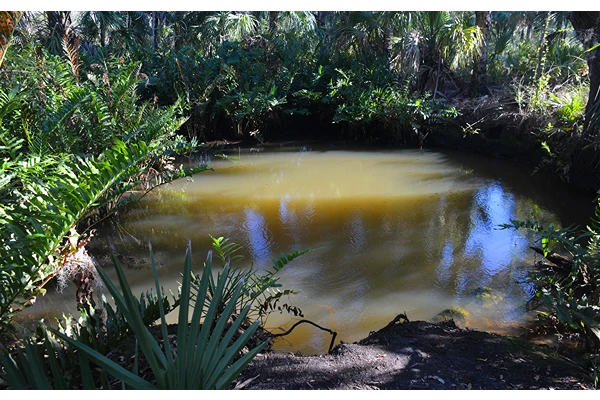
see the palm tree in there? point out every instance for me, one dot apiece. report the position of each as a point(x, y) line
point(367, 36)
point(381, 28)
point(137, 23)
point(231, 26)
point(479, 77)
point(98, 24)
point(297, 22)
point(504, 25)
point(58, 25)
point(273, 17)
point(450, 41)
point(215, 28)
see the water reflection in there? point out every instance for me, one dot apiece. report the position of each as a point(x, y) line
point(487, 269)
point(489, 244)
point(258, 236)
point(397, 231)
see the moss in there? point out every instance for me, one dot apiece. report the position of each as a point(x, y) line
point(452, 313)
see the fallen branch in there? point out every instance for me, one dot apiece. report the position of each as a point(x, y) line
point(334, 334)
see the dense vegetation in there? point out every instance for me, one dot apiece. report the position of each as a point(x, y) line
point(95, 104)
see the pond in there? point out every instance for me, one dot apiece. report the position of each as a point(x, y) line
point(393, 231)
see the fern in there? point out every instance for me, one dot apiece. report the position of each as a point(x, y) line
point(10, 101)
point(54, 122)
point(32, 234)
point(572, 293)
point(69, 145)
point(225, 250)
point(257, 289)
point(10, 147)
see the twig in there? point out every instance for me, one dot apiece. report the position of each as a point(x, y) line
point(398, 318)
point(334, 334)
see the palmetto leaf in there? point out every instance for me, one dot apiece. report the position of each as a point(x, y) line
point(205, 355)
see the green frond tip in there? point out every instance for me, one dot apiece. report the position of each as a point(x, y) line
point(285, 259)
point(225, 249)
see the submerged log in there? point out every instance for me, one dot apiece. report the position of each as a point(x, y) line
point(558, 263)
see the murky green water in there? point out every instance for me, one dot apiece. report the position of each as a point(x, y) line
point(396, 231)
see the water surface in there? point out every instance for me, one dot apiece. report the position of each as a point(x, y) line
point(395, 231)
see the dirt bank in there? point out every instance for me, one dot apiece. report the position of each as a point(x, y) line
point(421, 355)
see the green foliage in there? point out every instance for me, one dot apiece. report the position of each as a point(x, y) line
point(570, 107)
point(570, 292)
point(549, 236)
point(364, 105)
point(260, 291)
point(45, 365)
point(206, 354)
point(248, 110)
point(376, 75)
point(73, 141)
point(567, 109)
point(33, 229)
point(251, 85)
point(43, 200)
point(103, 328)
point(56, 111)
point(226, 250)
point(538, 98)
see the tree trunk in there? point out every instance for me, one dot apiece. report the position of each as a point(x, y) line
point(530, 17)
point(321, 16)
point(585, 158)
point(387, 44)
point(587, 28)
point(158, 17)
point(273, 19)
point(179, 29)
point(479, 76)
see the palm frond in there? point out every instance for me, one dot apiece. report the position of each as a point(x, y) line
point(71, 49)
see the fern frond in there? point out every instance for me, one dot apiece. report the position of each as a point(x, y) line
point(124, 87)
point(10, 146)
point(32, 235)
point(50, 126)
point(10, 101)
point(285, 259)
point(225, 250)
